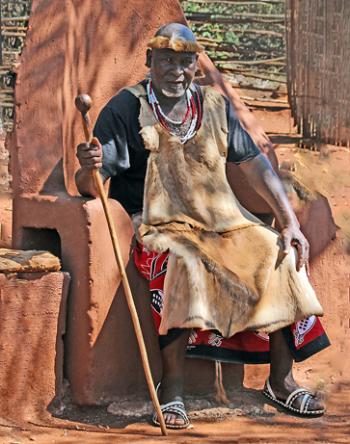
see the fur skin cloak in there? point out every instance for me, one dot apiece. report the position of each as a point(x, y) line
point(225, 270)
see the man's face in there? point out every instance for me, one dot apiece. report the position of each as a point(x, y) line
point(172, 72)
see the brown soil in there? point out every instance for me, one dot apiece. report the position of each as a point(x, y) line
point(253, 421)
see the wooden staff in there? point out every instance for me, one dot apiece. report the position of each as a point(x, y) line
point(83, 102)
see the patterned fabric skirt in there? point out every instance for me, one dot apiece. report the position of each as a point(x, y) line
point(304, 338)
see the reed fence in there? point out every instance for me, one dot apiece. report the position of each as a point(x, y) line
point(318, 38)
point(246, 41)
point(14, 16)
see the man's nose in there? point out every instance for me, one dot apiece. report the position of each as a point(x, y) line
point(177, 68)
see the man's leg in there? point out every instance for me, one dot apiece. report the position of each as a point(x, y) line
point(173, 360)
point(281, 371)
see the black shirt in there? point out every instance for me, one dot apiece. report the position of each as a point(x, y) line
point(124, 155)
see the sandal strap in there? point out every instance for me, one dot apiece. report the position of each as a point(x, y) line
point(177, 411)
point(173, 404)
point(269, 389)
point(296, 394)
point(305, 402)
point(292, 397)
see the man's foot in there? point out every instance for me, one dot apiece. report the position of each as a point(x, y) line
point(171, 390)
point(281, 387)
point(293, 398)
point(173, 409)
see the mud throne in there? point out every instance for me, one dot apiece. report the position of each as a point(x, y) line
point(73, 47)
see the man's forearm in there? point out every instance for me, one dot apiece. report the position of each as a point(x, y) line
point(85, 182)
point(266, 183)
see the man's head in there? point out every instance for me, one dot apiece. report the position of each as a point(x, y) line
point(173, 59)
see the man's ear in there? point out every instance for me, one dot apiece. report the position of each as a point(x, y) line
point(148, 58)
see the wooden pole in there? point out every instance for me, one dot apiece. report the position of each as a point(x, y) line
point(83, 102)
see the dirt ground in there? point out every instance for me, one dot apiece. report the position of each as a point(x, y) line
point(254, 421)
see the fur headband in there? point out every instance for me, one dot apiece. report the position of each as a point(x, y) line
point(177, 44)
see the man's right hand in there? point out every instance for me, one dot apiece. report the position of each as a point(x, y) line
point(90, 155)
point(90, 159)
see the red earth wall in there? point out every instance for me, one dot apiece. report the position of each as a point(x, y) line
point(32, 325)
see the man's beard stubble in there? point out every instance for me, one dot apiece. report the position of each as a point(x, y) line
point(170, 94)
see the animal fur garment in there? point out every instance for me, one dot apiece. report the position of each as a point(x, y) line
point(175, 43)
point(225, 268)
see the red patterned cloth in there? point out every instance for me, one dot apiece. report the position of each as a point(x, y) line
point(304, 338)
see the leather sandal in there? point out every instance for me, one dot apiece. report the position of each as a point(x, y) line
point(287, 404)
point(176, 408)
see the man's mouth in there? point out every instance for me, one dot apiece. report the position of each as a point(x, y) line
point(175, 83)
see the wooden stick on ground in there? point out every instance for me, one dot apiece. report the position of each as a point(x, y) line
point(83, 102)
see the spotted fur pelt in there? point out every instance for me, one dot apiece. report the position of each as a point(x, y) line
point(225, 268)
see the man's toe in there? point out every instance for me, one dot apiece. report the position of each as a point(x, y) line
point(172, 419)
point(316, 404)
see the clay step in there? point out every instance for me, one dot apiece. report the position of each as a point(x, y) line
point(30, 261)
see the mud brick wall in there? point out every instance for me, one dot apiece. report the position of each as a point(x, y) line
point(32, 322)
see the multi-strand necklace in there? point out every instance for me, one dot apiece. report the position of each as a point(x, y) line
point(191, 120)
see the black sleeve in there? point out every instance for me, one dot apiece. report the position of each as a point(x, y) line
point(112, 131)
point(240, 145)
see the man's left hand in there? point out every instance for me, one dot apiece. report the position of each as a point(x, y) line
point(292, 236)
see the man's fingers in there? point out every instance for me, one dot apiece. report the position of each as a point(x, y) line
point(303, 253)
point(93, 162)
point(95, 166)
point(299, 255)
point(285, 242)
point(93, 154)
point(84, 147)
point(293, 237)
point(90, 154)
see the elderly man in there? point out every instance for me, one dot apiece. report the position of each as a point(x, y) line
point(220, 279)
